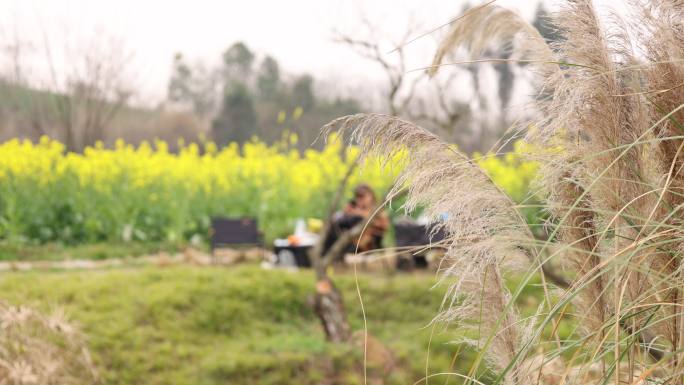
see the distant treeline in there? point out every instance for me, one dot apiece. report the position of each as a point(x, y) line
point(250, 96)
point(242, 97)
point(92, 96)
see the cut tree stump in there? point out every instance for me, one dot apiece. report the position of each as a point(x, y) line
point(329, 306)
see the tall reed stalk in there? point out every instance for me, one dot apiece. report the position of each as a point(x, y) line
point(611, 139)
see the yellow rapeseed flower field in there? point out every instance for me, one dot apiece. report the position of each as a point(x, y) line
point(148, 193)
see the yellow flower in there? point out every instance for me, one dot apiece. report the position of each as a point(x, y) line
point(297, 113)
point(282, 115)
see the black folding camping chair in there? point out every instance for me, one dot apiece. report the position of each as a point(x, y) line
point(410, 234)
point(234, 232)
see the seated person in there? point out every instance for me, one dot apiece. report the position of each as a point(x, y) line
point(354, 212)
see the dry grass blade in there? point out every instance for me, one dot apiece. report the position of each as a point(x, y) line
point(486, 234)
point(39, 349)
point(488, 25)
point(613, 157)
point(610, 142)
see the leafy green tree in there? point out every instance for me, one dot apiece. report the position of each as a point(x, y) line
point(506, 76)
point(181, 76)
point(194, 86)
point(243, 99)
point(237, 62)
point(236, 121)
point(541, 22)
point(302, 92)
point(268, 79)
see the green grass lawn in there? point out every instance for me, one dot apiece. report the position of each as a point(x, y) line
point(96, 251)
point(241, 325)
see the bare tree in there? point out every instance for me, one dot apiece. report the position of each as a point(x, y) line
point(459, 113)
point(328, 301)
point(197, 86)
point(396, 101)
point(401, 88)
point(91, 89)
point(71, 90)
point(447, 116)
point(411, 94)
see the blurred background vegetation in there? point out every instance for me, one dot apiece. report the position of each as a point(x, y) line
point(89, 91)
point(89, 169)
point(83, 162)
point(148, 194)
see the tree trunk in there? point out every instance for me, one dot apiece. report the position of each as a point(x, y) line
point(329, 306)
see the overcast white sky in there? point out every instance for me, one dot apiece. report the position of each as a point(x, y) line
point(297, 32)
